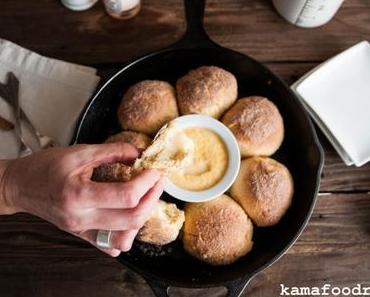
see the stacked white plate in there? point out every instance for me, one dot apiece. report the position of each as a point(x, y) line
point(337, 96)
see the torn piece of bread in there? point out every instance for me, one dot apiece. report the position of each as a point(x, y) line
point(164, 224)
point(166, 220)
point(171, 150)
point(113, 172)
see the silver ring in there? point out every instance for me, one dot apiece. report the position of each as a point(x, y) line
point(103, 238)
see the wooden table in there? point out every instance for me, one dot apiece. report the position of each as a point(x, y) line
point(36, 259)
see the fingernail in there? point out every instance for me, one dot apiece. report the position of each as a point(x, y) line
point(162, 180)
point(115, 253)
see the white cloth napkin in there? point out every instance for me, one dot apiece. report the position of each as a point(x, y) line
point(51, 92)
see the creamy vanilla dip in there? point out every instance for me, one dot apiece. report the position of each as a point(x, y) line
point(208, 164)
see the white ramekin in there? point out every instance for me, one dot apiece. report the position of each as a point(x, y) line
point(232, 147)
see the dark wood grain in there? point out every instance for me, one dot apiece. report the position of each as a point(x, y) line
point(36, 259)
point(42, 261)
point(333, 249)
point(252, 27)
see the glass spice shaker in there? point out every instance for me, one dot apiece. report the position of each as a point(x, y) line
point(122, 9)
point(78, 5)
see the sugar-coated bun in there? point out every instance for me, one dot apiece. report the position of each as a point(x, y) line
point(207, 90)
point(218, 231)
point(137, 139)
point(147, 106)
point(257, 125)
point(264, 188)
point(164, 224)
point(113, 172)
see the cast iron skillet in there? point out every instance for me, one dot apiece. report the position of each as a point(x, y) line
point(300, 152)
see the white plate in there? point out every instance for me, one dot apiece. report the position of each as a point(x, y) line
point(337, 95)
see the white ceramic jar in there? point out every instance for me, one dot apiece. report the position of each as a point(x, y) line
point(78, 5)
point(307, 13)
point(122, 9)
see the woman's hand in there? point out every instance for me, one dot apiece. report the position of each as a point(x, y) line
point(55, 185)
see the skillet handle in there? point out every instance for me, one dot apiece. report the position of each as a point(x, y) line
point(159, 290)
point(195, 35)
point(234, 289)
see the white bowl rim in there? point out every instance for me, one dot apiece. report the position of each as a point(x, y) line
point(202, 121)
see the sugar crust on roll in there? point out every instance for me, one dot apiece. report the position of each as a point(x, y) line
point(207, 90)
point(264, 188)
point(147, 106)
point(217, 232)
point(257, 125)
point(164, 224)
point(140, 140)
